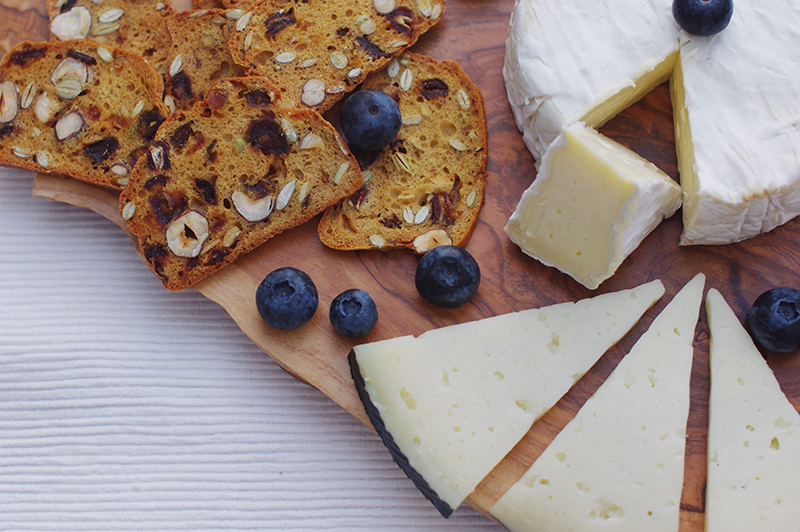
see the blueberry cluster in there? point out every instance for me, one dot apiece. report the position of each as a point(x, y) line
point(287, 298)
point(446, 276)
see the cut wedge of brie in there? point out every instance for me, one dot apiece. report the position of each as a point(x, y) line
point(753, 435)
point(452, 402)
point(735, 95)
point(618, 464)
point(591, 205)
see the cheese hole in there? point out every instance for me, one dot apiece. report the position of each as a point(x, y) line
point(522, 404)
point(409, 400)
point(774, 444)
point(553, 344)
point(605, 510)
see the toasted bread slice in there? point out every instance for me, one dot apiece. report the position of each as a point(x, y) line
point(426, 188)
point(78, 108)
point(229, 174)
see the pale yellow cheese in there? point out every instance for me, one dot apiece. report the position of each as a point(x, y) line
point(592, 203)
point(457, 399)
point(618, 464)
point(753, 479)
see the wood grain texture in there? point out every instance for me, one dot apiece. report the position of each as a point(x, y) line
point(473, 33)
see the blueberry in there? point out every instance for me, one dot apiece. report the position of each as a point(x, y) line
point(287, 298)
point(353, 313)
point(447, 276)
point(774, 320)
point(702, 17)
point(370, 119)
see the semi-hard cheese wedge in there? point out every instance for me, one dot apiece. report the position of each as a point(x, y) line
point(734, 97)
point(618, 464)
point(591, 205)
point(450, 403)
point(753, 435)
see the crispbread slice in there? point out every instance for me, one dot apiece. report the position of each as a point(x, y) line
point(78, 108)
point(227, 175)
point(136, 26)
point(316, 51)
point(199, 55)
point(425, 188)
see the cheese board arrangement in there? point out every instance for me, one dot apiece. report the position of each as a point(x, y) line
point(484, 39)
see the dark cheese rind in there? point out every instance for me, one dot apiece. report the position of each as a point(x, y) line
point(399, 457)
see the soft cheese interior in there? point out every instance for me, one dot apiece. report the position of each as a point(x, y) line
point(452, 402)
point(618, 464)
point(753, 435)
point(736, 97)
point(591, 205)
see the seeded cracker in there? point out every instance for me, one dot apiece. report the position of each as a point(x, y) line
point(426, 188)
point(318, 50)
point(225, 176)
point(199, 56)
point(136, 26)
point(207, 4)
point(77, 108)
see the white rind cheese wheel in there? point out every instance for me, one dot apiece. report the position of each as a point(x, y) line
point(735, 97)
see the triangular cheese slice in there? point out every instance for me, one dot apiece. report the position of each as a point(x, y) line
point(753, 435)
point(452, 402)
point(618, 465)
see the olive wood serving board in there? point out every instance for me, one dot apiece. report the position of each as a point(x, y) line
point(473, 32)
